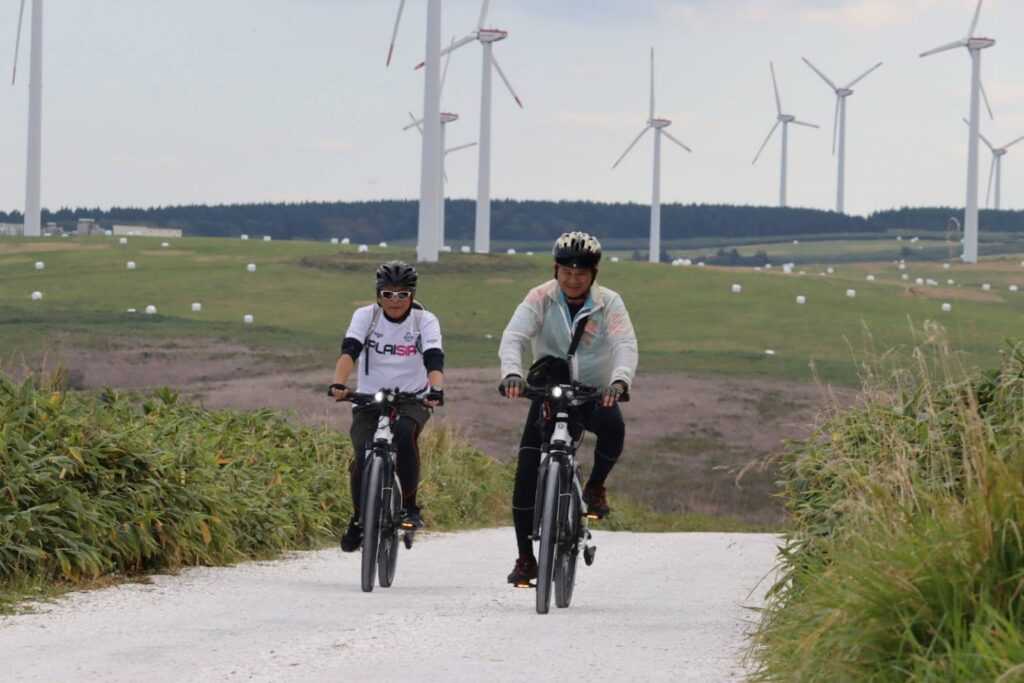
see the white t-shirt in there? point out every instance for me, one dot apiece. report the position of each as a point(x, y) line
point(394, 352)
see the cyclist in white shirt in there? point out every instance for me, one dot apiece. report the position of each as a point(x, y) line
point(400, 345)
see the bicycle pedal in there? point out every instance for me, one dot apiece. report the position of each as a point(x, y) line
point(524, 584)
point(408, 525)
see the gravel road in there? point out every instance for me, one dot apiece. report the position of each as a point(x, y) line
point(654, 607)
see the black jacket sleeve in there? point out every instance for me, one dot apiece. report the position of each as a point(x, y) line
point(433, 359)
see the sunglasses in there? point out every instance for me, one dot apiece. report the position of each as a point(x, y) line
point(401, 296)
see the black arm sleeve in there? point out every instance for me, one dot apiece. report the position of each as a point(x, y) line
point(351, 347)
point(433, 359)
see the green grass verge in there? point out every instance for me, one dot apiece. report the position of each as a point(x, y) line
point(119, 485)
point(905, 559)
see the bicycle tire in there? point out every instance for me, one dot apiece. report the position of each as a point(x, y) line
point(371, 522)
point(545, 560)
point(567, 553)
point(387, 559)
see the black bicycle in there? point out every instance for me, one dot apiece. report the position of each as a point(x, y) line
point(381, 491)
point(560, 522)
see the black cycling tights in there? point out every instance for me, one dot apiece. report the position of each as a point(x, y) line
point(605, 423)
point(406, 432)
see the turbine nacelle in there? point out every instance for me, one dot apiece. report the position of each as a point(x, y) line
point(448, 117)
point(844, 92)
point(491, 35)
point(786, 118)
point(980, 43)
point(658, 124)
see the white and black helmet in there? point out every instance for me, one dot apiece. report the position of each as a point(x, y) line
point(577, 250)
point(396, 274)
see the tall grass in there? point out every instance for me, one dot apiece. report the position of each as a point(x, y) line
point(905, 559)
point(118, 484)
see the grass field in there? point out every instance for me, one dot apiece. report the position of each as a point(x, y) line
point(303, 294)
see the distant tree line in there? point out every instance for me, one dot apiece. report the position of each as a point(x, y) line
point(517, 220)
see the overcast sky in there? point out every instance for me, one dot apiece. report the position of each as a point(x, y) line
point(149, 102)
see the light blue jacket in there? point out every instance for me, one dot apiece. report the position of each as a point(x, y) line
point(607, 352)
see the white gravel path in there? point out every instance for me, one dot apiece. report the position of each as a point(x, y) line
point(654, 607)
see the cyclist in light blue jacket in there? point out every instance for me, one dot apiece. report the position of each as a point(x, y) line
point(606, 357)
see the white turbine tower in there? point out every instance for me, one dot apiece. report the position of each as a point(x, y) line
point(427, 246)
point(996, 169)
point(486, 37)
point(446, 118)
point(974, 46)
point(33, 173)
point(659, 125)
point(785, 120)
point(839, 127)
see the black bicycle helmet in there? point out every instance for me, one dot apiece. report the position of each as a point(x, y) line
point(396, 274)
point(577, 250)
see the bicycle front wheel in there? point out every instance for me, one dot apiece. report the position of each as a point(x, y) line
point(387, 559)
point(566, 551)
point(548, 515)
point(372, 511)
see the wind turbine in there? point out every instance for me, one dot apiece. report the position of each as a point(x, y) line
point(839, 126)
point(785, 120)
point(486, 37)
point(446, 119)
point(33, 174)
point(427, 246)
point(658, 125)
point(974, 46)
point(996, 169)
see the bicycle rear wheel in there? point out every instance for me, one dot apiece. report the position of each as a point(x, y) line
point(545, 560)
point(371, 521)
point(567, 551)
point(387, 559)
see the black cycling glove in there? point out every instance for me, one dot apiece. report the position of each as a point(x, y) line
point(510, 382)
point(435, 394)
point(613, 392)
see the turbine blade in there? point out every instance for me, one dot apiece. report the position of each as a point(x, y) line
point(451, 48)
point(652, 85)
point(447, 59)
point(977, 16)
point(765, 143)
point(631, 146)
point(675, 140)
point(944, 48)
point(415, 122)
point(17, 42)
point(804, 123)
point(981, 135)
point(460, 148)
point(984, 95)
point(394, 33)
point(1020, 139)
point(819, 72)
point(835, 124)
point(775, 85)
point(991, 174)
point(483, 14)
point(494, 61)
point(864, 75)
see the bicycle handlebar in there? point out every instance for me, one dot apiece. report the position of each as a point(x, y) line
point(575, 392)
point(382, 396)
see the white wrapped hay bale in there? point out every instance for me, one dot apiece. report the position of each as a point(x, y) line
point(37, 296)
point(123, 240)
point(465, 249)
point(615, 259)
point(904, 277)
point(383, 245)
point(346, 241)
point(130, 265)
point(197, 307)
point(40, 265)
point(164, 245)
point(986, 287)
point(151, 310)
point(334, 240)
point(248, 319)
point(363, 248)
point(1014, 288)
point(244, 237)
point(737, 289)
point(511, 252)
point(769, 352)
point(801, 299)
point(251, 267)
point(266, 238)
point(851, 293)
point(870, 278)
point(947, 308)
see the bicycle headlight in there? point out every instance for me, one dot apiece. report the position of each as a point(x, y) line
point(379, 397)
point(556, 392)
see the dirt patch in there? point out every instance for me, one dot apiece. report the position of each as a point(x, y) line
point(688, 438)
point(166, 252)
point(34, 247)
point(947, 294)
